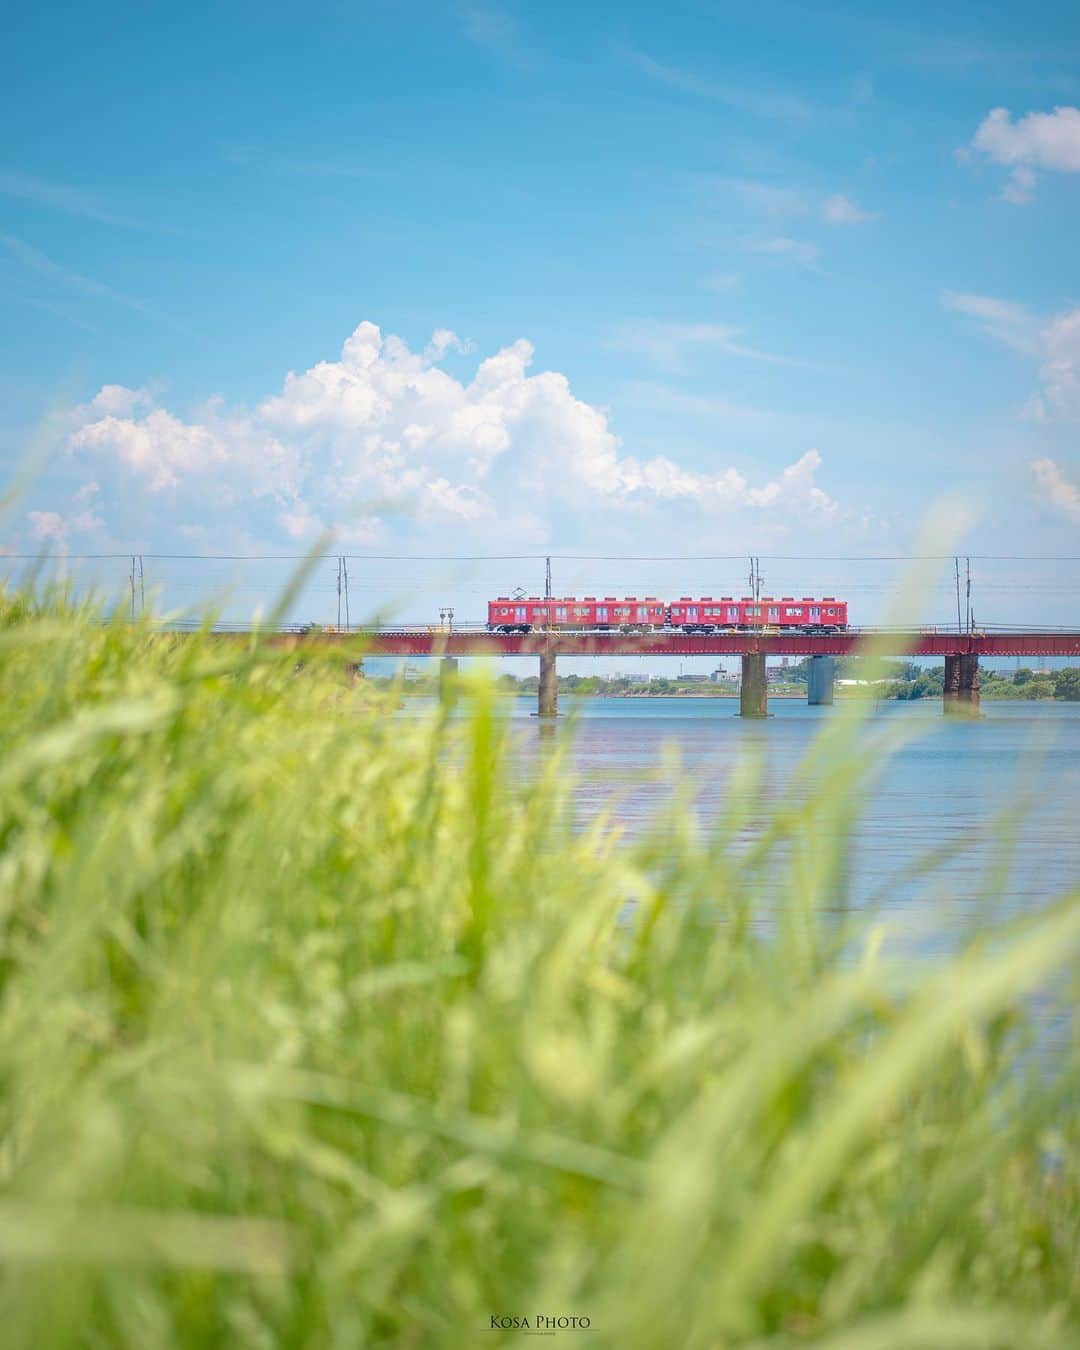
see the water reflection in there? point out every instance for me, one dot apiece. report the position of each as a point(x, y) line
point(994, 801)
point(991, 803)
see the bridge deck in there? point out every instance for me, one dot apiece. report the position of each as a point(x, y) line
point(477, 642)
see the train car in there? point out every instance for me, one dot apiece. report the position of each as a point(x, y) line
point(804, 615)
point(609, 613)
point(631, 614)
point(704, 615)
point(709, 615)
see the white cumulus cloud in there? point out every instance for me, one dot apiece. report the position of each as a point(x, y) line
point(160, 446)
point(384, 429)
point(1037, 141)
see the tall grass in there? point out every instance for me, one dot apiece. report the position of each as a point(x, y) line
point(324, 1026)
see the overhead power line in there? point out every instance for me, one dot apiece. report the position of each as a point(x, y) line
point(540, 557)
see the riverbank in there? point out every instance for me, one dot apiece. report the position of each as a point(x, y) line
point(883, 694)
point(677, 694)
point(917, 683)
point(990, 695)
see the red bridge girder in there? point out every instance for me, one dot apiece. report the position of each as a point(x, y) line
point(463, 642)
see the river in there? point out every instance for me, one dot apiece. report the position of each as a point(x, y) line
point(949, 782)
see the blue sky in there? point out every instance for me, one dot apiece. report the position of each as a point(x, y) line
point(509, 278)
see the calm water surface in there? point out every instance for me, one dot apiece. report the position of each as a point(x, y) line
point(947, 784)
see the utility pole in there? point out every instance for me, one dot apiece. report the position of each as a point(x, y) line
point(547, 580)
point(969, 620)
point(338, 593)
point(755, 578)
point(959, 619)
point(345, 578)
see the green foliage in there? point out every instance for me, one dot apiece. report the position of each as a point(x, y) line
point(855, 667)
point(325, 1026)
point(1022, 684)
point(1067, 684)
point(924, 684)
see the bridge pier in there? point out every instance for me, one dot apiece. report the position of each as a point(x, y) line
point(819, 682)
point(548, 693)
point(753, 700)
point(961, 695)
point(448, 668)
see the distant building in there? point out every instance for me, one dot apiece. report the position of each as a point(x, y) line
point(636, 678)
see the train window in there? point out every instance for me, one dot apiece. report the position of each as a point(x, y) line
point(753, 611)
point(831, 610)
point(601, 613)
point(642, 613)
point(561, 613)
point(793, 611)
point(581, 612)
point(504, 611)
point(622, 609)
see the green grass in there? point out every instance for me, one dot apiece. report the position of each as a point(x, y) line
point(321, 1025)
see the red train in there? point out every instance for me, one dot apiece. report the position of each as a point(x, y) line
point(608, 614)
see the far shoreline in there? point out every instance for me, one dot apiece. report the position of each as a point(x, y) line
point(840, 696)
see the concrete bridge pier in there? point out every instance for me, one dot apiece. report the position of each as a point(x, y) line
point(753, 701)
point(961, 697)
point(548, 693)
point(448, 667)
point(819, 683)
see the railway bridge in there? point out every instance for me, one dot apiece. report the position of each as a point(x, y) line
point(961, 652)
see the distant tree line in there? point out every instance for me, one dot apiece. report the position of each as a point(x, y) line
point(908, 679)
point(1020, 684)
point(902, 680)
